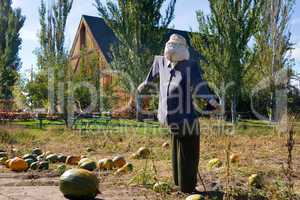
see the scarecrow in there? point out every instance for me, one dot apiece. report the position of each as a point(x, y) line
point(180, 82)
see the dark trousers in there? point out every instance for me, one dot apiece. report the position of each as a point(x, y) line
point(185, 156)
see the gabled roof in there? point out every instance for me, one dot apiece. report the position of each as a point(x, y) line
point(105, 37)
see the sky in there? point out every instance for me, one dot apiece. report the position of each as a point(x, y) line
point(185, 19)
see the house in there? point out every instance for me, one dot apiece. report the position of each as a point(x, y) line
point(96, 37)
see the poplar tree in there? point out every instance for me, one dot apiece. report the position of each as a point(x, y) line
point(140, 26)
point(223, 41)
point(52, 54)
point(11, 22)
point(273, 45)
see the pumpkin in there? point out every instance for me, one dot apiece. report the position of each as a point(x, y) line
point(79, 184)
point(37, 151)
point(235, 158)
point(52, 158)
point(72, 160)
point(119, 161)
point(125, 169)
point(61, 158)
point(105, 164)
point(18, 164)
point(143, 152)
point(195, 197)
point(255, 180)
point(162, 187)
point(88, 165)
point(3, 160)
point(43, 165)
point(214, 163)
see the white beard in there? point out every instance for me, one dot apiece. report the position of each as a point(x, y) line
point(176, 54)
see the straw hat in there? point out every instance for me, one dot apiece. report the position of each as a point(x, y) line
point(178, 39)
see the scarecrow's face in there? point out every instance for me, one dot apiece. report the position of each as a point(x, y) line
point(174, 45)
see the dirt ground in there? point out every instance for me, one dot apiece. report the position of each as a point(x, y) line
point(44, 186)
point(260, 153)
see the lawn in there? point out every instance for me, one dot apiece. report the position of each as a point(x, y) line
point(262, 151)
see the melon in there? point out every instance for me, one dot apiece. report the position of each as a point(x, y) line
point(166, 145)
point(72, 160)
point(195, 197)
point(234, 158)
point(89, 149)
point(61, 169)
point(255, 180)
point(125, 169)
point(134, 156)
point(61, 158)
point(30, 161)
point(143, 152)
point(37, 151)
point(83, 160)
point(29, 156)
point(214, 163)
point(47, 153)
point(3, 160)
point(79, 184)
point(88, 165)
point(43, 165)
point(40, 157)
point(34, 165)
point(18, 164)
point(52, 158)
point(105, 164)
point(7, 163)
point(119, 161)
point(162, 187)
point(3, 154)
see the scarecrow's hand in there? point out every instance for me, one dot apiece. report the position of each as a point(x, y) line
point(216, 105)
point(141, 87)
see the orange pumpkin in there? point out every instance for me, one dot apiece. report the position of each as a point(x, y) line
point(119, 161)
point(18, 164)
point(73, 160)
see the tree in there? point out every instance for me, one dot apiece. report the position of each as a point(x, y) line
point(11, 22)
point(273, 44)
point(223, 40)
point(140, 28)
point(52, 74)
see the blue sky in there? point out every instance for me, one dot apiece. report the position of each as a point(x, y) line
point(185, 19)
